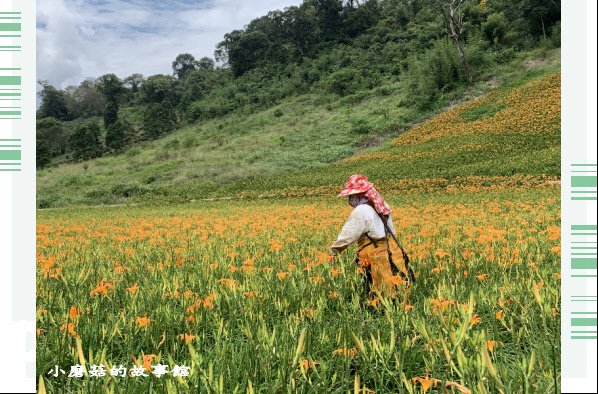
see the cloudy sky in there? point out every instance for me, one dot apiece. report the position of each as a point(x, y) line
point(77, 39)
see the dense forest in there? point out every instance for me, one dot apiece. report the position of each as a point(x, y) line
point(341, 48)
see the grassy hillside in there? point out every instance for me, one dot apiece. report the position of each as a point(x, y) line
point(511, 128)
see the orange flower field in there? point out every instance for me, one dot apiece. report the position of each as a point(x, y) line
point(244, 294)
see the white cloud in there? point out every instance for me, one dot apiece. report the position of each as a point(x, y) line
point(77, 39)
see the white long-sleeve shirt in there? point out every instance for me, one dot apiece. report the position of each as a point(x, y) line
point(364, 219)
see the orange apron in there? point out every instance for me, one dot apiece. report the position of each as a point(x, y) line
point(372, 256)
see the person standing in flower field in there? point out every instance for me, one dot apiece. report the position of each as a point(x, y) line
point(385, 265)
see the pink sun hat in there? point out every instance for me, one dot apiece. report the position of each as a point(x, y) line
point(356, 183)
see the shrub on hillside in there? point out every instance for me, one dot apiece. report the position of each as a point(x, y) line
point(343, 82)
point(207, 109)
point(118, 135)
point(158, 118)
point(85, 142)
point(53, 133)
point(437, 71)
point(360, 125)
point(555, 35)
point(42, 154)
point(495, 28)
point(110, 114)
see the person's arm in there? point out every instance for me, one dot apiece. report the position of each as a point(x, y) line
point(353, 228)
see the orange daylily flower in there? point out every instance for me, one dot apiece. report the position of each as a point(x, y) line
point(133, 289)
point(230, 283)
point(208, 301)
point(475, 319)
point(441, 304)
point(426, 382)
point(70, 328)
point(307, 365)
point(142, 321)
point(345, 352)
point(317, 279)
point(282, 275)
point(147, 361)
point(188, 338)
point(374, 303)
point(275, 246)
point(73, 313)
point(102, 288)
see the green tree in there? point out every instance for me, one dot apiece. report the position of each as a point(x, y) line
point(495, 28)
point(85, 143)
point(53, 102)
point(243, 51)
point(118, 135)
point(206, 64)
point(453, 12)
point(329, 18)
point(110, 113)
point(436, 71)
point(183, 64)
point(359, 18)
point(133, 81)
point(85, 100)
point(53, 134)
point(112, 88)
point(42, 153)
point(300, 28)
point(157, 88)
point(540, 14)
point(197, 84)
point(343, 82)
point(158, 118)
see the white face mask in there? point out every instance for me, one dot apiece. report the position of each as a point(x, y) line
point(357, 199)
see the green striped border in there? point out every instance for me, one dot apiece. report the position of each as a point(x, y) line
point(10, 80)
point(584, 327)
point(584, 183)
point(10, 48)
point(10, 90)
point(10, 155)
point(10, 26)
point(584, 254)
point(584, 299)
point(580, 180)
point(584, 322)
point(10, 111)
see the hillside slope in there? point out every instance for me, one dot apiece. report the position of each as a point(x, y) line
point(306, 143)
